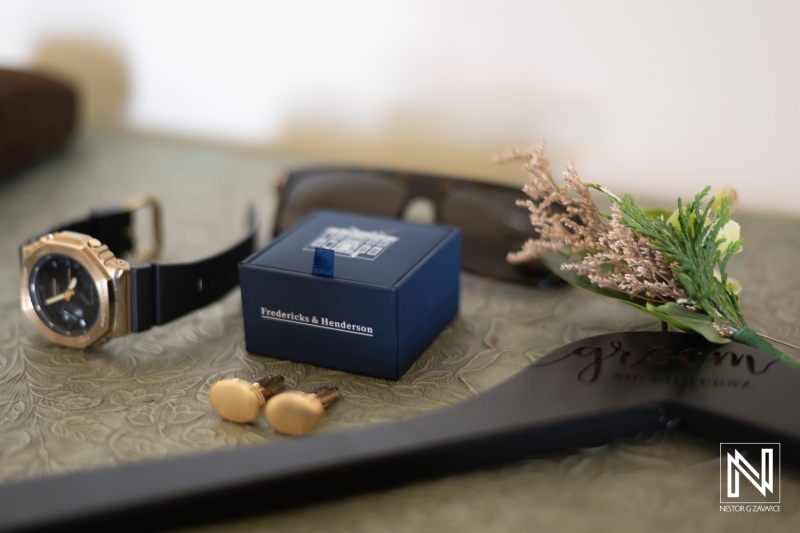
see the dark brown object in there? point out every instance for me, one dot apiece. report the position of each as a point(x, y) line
point(37, 117)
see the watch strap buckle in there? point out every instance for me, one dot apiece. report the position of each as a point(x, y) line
point(149, 202)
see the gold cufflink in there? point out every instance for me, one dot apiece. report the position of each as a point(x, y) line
point(239, 400)
point(298, 413)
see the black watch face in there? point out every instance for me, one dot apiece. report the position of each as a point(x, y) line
point(64, 295)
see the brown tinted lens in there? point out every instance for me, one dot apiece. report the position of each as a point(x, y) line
point(491, 226)
point(366, 194)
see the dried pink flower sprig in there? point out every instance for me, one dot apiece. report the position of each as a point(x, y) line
point(628, 264)
point(565, 216)
point(568, 219)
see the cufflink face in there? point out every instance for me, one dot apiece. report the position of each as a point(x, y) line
point(298, 413)
point(236, 399)
point(294, 412)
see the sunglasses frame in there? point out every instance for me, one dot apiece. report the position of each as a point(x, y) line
point(416, 185)
point(431, 186)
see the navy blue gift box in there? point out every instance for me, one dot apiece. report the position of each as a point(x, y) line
point(351, 292)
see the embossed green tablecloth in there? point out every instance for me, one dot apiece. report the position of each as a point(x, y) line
point(144, 397)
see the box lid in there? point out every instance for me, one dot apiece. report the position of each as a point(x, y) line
point(367, 249)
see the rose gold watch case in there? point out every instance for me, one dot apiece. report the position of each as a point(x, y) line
point(110, 276)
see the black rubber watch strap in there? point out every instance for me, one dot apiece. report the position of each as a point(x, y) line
point(110, 226)
point(161, 293)
point(142, 296)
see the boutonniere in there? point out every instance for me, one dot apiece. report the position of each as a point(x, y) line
point(670, 264)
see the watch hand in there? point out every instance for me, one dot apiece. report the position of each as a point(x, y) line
point(56, 298)
point(66, 295)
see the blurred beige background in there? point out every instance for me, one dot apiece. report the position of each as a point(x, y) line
point(654, 98)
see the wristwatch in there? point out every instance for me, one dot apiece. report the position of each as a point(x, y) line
point(79, 292)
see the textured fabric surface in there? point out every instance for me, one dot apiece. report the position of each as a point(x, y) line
point(144, 397)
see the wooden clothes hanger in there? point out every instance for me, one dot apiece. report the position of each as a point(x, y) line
point(585, 393)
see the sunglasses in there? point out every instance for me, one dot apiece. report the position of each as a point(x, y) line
point(491, 223)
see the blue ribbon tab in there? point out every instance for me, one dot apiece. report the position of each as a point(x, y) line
point(323, 262)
